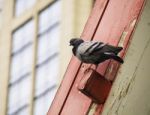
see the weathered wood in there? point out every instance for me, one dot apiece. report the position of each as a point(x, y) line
point(131, 90)
point(68, 88)
point(117, 29)
point(110, 22)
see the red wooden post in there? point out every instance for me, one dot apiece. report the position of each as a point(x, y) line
point(72, 74)
point(113, 22)
point(117, 29)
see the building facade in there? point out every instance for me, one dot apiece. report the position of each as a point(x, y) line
point(111, 88)
point(34, 51)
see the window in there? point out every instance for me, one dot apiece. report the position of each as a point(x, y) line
point(22, 5)
point(21, 66)
point(47, 67)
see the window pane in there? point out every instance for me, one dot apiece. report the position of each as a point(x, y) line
point(49, 16)
point(42, 104)
point(47, 67)
point(19, 97)
point(20, 74)
point(22, 5)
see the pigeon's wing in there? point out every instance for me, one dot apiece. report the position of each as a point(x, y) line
point(90, 52)
point(88, 48)
point(97, 49)
point(84, 47)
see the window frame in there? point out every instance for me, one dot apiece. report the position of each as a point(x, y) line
point(27, 74)
point(15, 23)
point(24, 11)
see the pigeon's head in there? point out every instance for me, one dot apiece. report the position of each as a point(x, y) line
point(76, 41)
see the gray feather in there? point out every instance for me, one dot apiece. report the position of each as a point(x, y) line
point(95, 52)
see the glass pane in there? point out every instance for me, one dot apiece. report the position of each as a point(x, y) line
point(22, 5)
point(42, 106)
point(47, 68)
point(20, 74)
point(19, 95)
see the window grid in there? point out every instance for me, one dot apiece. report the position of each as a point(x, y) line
point(52, 88)
point(47, 58)
point(20, 72)
point(22, 5)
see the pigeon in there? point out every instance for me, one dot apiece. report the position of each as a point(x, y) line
point(92, 52)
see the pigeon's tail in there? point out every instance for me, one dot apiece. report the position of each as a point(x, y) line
point(113, 49)
point(113, 56)
point(118, 49)
point(117, 58)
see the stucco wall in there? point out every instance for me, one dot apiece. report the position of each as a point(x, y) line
point(130, 94)
point(75, 14)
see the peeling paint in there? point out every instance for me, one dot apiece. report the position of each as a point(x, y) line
point(92, 109)
point(132, 24)
point(111, 68)
point(128, 89)
point(122, 39)
point(124, 88)
point(125, 33)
